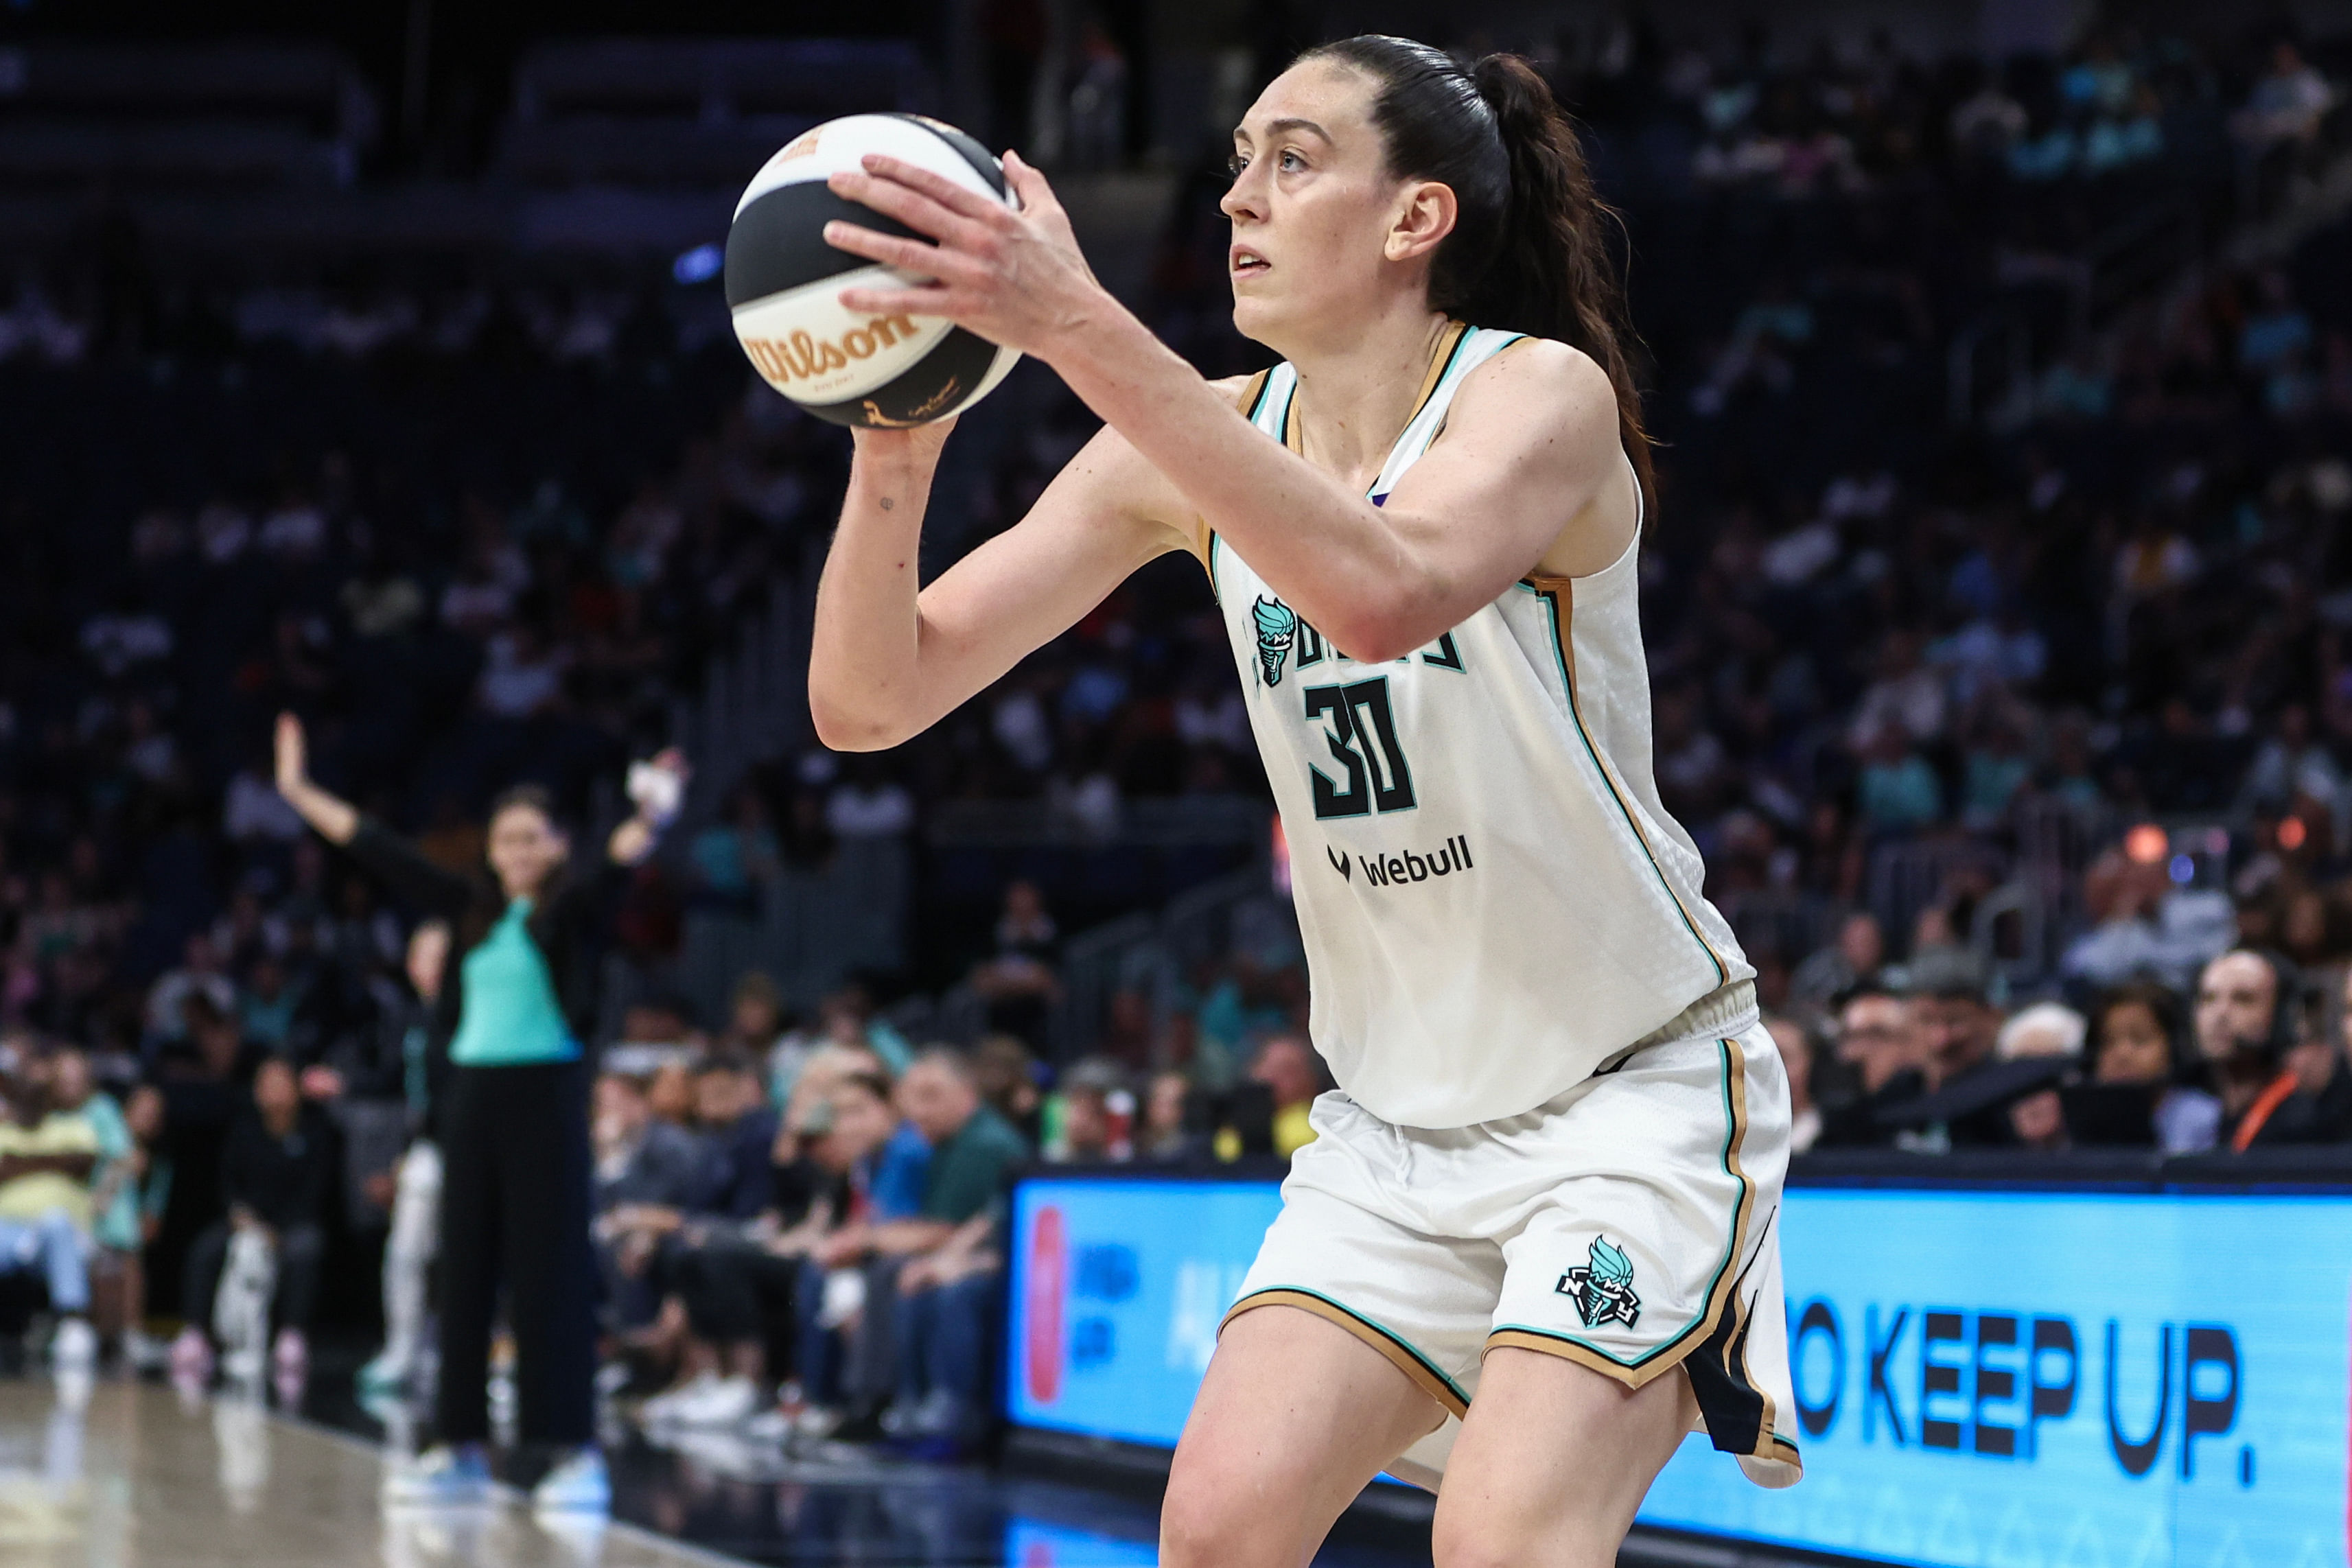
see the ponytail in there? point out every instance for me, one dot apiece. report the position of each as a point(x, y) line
point(1527, 253)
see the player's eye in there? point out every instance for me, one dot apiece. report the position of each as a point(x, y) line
point(1291, 161)
point(1234, 165)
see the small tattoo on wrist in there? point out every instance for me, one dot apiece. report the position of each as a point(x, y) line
point(888, 503)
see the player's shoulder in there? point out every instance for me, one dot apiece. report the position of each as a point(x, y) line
point(1539, 386)
point(1544, 366)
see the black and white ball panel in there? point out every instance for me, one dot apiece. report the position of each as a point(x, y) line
point(783, 281)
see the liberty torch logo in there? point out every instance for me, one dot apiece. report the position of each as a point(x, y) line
point(1277, 628)
point(1602, 1286)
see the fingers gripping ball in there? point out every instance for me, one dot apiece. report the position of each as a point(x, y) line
point(784, 282)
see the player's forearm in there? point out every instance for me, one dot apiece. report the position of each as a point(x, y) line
point(865, 659)
point(1328, 551)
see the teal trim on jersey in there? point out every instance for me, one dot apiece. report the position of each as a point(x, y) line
point(1435, 388)
point(1568, 684)
point(1732, 1130)
point(1395, 1338)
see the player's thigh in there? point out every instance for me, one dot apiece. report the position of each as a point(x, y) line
point(1295, 1417)
point(1553, 1460)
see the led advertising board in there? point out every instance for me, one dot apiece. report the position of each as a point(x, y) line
point(1983, 1379)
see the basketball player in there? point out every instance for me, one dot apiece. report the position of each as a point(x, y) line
point(1535, 1242)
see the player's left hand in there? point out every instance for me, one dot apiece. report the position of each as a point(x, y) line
point(1017, 278)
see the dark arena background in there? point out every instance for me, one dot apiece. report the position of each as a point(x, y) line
point(370, 363)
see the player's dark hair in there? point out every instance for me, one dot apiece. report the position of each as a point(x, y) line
point(1527, 253)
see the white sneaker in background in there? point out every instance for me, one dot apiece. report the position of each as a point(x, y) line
point(74, 1347)
point(578, 1485)
point(816, 1422)
point(662, 1409)
point(443, 1477)
point(723, 1402)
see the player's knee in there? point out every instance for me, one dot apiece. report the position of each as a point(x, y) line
point(1472, 1537)
point(1206, 1521)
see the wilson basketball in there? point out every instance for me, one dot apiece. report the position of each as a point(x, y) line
point(784, 282)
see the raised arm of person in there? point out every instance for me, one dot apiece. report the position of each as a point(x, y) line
point(400, 863)
point(890, 656)
point(1535, 451)
point(657, 789)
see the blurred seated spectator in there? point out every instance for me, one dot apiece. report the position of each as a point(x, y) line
point(276, 1174)
point(199, 973)
point(2249, 1021)
point(47, 1157)
point(845, 1019)
point(1007, 1076)
point(733, 1115)
point(1859, 948)
point(947, 1297)
point(1018, 982)
point(1097, 1115)
point(127, 1194)
point(2289, 102)
point(1287, 1065)
point(736, 858)
point(647, 1172)
point(1896, 792)
point(973, 1152)
point(755, 1026)
point(1954, 1028)
point(740, 1283)
point(1796, 1048)
point(1167, 1130)
point(1877, 1057)
point(2038, 1120)
point(2140, 1042)
point(2145, 924)
point(670, 1097)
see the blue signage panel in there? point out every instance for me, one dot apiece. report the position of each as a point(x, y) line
point(1117, 1289)
point(1983, 1379)
point(1997, 1378)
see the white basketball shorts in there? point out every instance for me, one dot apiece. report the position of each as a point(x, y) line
point(1631, 1225)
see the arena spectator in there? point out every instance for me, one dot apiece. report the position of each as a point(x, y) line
point(414, 1236)
point(1880, 1057)
point(649, 1173)
point(1018, 982)
point(946, 1291)
point(2249, 1020)
point(1288, 1066)
point(733, 1115)
point(1007, 1076)
point(2046, 1029)
point(1858, 951)
point(2141, 1042)
point(1796, 1048)
point(278, 1172)
point(1091, 1127)
point(46, 1157)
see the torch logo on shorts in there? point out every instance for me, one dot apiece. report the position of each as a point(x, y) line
point(1602, 1286)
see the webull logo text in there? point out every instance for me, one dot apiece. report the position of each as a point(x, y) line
point(2000, 1384)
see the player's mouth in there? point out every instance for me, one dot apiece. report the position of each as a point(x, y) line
point(1244, 262)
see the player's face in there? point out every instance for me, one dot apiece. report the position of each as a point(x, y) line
point(1312, 207)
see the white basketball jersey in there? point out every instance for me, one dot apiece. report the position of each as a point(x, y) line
point(1492, 898)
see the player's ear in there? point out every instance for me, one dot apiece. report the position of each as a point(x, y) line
point(1425, 213)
